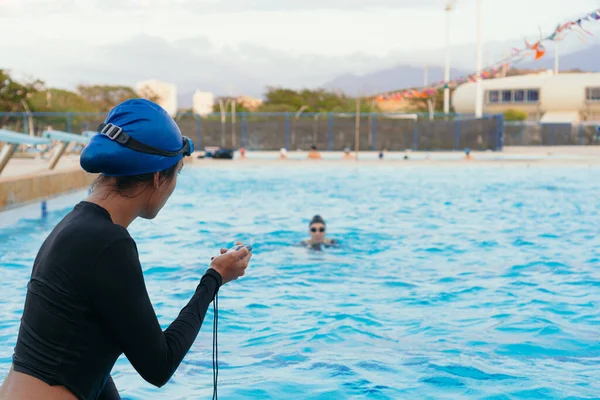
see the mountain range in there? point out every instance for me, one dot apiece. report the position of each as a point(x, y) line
point(405, 76)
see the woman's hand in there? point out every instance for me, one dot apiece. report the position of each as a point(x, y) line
point(231, 265)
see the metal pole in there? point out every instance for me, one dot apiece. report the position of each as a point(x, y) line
point(294, 124)
point(374, 134)
point(60, 149)
point(244, 129)
point(447, 69)
point(479, 86)
point(287, 131)
point(330, 131)
point(370, 124)
point(198, 131)
point(233, 124)
point(357, 127)
point(222, 108)
point(457, 134)
point(316, 128)
point(6, 153)
point(556, 57)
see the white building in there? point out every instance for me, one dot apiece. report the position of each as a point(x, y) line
point(163, 93)
point(203, 102)
point(545, 97)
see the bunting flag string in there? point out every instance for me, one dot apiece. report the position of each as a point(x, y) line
point(536, 50)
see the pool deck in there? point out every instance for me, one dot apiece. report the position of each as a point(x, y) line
point(23, 167)
point(26, 180)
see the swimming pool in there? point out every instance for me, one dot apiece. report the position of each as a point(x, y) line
point(453, 282)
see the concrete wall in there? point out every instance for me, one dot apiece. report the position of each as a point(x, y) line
point(28, 188)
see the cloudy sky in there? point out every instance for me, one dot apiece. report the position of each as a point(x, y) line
point(243, 45)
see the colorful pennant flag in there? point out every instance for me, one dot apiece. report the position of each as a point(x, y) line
point(537, 50)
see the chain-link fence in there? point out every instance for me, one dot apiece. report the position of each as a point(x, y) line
point(336, 131)
point(326, 131)
point(547, 134)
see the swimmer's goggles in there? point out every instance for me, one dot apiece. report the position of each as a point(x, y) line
point(117, 134)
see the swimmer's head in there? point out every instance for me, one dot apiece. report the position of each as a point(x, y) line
point(283, 151)
point(316, 229)
point(467, 151)
point(137, 154)
point(313, 148)
point(347, 150)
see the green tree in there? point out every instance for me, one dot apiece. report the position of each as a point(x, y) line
point(105, 97)
point(13, 93)
point(515, 115)
point(318, 100)
point(14, 96)
point(58, 100)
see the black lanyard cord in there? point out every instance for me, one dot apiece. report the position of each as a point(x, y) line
point(215, 346)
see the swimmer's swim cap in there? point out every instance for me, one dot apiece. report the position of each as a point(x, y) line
point(317, 219)
point(138, 137)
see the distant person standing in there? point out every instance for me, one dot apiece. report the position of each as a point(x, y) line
point(381, 154)
point(243, 153)
point(313, 154)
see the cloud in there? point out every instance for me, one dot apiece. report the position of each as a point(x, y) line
point(240, 6)
point(237, 6)
point(9, 8)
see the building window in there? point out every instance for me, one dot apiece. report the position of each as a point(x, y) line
point(493, 96)
point(515, 96)
point(533, 95)
point(519, 96)
point(593, 94)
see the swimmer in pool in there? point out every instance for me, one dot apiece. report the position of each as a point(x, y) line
point(283, 154)
point(468, 156)
point(314, 154)
point(347, 155)
point(87, 302)
point(317, 240)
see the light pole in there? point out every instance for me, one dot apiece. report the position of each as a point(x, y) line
point(556, 57)
point(449, 7)
point(479, 86)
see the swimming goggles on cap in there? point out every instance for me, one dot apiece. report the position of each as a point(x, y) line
point(117, 134)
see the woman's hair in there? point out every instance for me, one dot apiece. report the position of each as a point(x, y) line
point(126, 185)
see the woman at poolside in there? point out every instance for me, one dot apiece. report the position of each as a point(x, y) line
point(86, 301)
point(316, 230)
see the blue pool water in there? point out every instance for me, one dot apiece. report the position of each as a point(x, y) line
point(454, 282)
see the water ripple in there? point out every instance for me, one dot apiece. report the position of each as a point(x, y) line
point(450, 283)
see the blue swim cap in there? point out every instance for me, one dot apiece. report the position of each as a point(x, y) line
point(138, 137)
